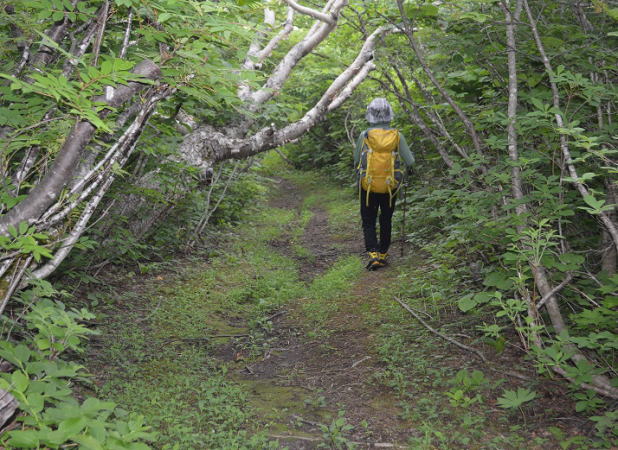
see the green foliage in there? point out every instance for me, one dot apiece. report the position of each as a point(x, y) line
point(466, 382)
point(26, 240)
point(514, 399)
point(50, 415)
point(607, 423)
point(334, 434)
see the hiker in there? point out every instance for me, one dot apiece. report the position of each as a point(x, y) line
point(377, 158)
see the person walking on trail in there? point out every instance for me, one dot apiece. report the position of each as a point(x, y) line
point(377, 158)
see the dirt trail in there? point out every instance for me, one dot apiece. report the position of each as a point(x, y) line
point(190, 349)
point(336, 370)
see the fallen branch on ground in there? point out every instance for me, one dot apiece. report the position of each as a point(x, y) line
point(459, 344)
point(206, 338)
point(360, 361)
point(443, 336)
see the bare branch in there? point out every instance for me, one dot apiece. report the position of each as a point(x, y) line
point(516, 181)
point(347, 91)
point(72, 238)
point(102, 168)
point(554, 291)
point(127, 36)
point(329, 19)
point(433, 115)
point(25, 56)
point(15, 281)
point(443, 336)
point(409, 31)
point(199, 229)
point(96, 47)
point(206, 145)
point(415, 115)
point(291, 59)
point(56, 34)
point(79, 49)
point(255, 56)
point(80, 226)
point(274, 42)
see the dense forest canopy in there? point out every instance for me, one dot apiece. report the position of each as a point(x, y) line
point(119, 120)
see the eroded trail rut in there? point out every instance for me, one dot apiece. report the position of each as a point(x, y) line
point(330, 373)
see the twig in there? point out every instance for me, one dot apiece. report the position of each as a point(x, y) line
point(511, 374)
point(359, 361)
point(300, 438)
point(555, 290)
point(98, 40)
point(429, 316)
point(14, 282)
point(328, 18)
point(443, 336)
point(127, 36)
point(309, 422)
point(462, 335)
point(277, 314)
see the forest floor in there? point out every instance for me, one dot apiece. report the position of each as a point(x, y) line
point(279, 338)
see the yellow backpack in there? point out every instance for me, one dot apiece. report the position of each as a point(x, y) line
point(380, 165)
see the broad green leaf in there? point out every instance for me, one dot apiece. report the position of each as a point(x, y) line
point(514, 399)
point(20, 381)
point(24, 439)
point(466, 303)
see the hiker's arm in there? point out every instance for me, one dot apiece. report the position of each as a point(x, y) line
point(405, 152)
point(357, 150)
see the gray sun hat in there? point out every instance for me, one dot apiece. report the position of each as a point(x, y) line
point(379, 111)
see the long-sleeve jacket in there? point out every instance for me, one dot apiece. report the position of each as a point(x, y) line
point(404, 150)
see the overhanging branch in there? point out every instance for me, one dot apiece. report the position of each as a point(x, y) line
point(47, 191)
point(329, 19)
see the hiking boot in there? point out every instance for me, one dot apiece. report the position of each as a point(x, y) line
point(383, 258)
point(374, 261)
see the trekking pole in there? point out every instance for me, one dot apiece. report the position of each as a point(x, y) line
point(403, 223)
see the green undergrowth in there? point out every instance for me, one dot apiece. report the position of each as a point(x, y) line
point(161, 359)
point(454, 400)
point(338, 201)
point(168, 343)
point(321, 303)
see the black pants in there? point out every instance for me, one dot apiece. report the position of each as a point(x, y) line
point(369, 213)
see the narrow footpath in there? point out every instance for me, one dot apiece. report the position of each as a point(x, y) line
point(279, 338)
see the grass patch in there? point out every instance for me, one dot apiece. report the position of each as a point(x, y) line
point(321, 302)
point(191, 405)
point(159, 354)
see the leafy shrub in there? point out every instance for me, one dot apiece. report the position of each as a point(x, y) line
point(49, 414)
